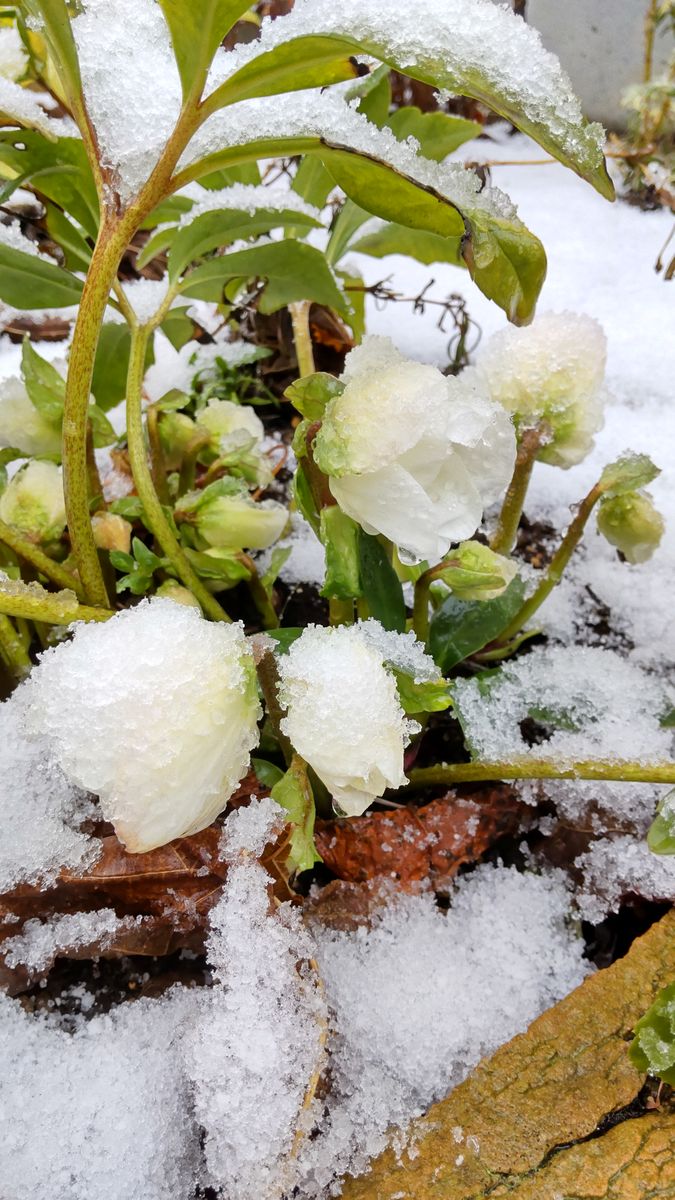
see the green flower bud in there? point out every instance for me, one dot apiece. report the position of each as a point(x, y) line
point(224, 515)
point(475, 572)
point(33, 502)
point(632, 524)
point(176, 432)
point(172, 590)
point(236, 434)
point(22, 426)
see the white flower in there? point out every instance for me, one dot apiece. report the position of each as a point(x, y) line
point(33, 502)
point(343, 715)
point(22, 426)
point(411, 454)
point(156, 711)
point(552, 371)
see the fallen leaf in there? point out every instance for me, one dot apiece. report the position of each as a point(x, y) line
point(519, 1125)
point(431, 842)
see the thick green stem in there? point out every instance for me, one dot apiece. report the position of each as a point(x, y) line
point(157, 460)
point(37, 558)
point(532, 768)
point(302, 336)
point(154, 513)
point(504, 538)
point(557, 567)
point(420, 617)
point(112, 241)
point(54, 608)
point(12, 649)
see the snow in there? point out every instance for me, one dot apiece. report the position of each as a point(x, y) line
point(249, 199)
point(178, 368)
point(13, 57)
point(41, 941)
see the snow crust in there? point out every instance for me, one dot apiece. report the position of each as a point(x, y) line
point(39, 941)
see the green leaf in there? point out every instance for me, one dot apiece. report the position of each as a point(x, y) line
point(341, 539)
point(419, 244)
point(427, 696)
point(170, 210)
point(661, 835)
point(374, 91)
point(102, 431)
point(8, 455)
point(293, 270)
point(278, 557)
point(629, 473)
point(45, 386)
point(29, 281)
point(348, 221)
point(65, 233)
point(58, 171)
point(312, 181)
point(109, 382)
point(156, 244)
point(668, 719)
point(652, 1050)
point(52, 19)
point(218, 565)
point(294, 794)
point(460, 628)
point(311, 394)
point(437, 133)
point(197, 29)
point(307, 62)
point(381, 585)
point(221, 227)
point(266, 772)
point(304, 499)
point(284, 637)
point(178, 327)
point(129, 507)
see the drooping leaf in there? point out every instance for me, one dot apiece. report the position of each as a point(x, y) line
point(419, 244)
point(30, 281)
point(460, 628)
point(381, 585)
point(221, 227)
point(45, 386)
point(293, 793)
point(196, 32)
point(293, 270)
point(341, 540)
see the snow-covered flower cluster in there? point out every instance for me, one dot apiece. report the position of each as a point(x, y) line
point(412, 454)
point(551, 372)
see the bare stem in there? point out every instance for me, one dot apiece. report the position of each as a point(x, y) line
point(154, 513)
point(302, 336)
point(531, 768)
point(505, 535)
point(12, 649)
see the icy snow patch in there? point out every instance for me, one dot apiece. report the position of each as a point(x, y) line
point(40, 941)
point(615, 867)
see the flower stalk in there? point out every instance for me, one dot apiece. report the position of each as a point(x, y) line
point(504, 537)
point(12, 649)
point(302, 336)
point(532, 768)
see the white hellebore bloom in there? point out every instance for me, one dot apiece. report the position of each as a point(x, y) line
point(33, 502)
point(22, 426)
point(156, 711)
point(343, 713)
point(411, 454)
point(551, 371)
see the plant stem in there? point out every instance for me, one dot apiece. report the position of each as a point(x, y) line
point(650, 34)
point(268, 676)
point(340, 612)
point(37, 558)
point(154, 513)
point(558, 564)
point(157, 460)
point(302, 337)
point(51, 607)
point(259, 594)
point(420, 617)
point(12, 649)
point(504, 537)
point(112, 240)
point(532, 768)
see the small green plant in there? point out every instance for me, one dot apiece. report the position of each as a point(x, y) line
point(653, 1047)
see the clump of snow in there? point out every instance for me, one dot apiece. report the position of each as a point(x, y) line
point(400, 650)
point(145, 296)
point(418, 999)
point(40, 812)
point(41, 941)
point(616, 867)
point(248, 198)
point(131, 85)
point(12, 235)
point(13, 56)
point(156, 711)
point(307, 561)
point(248, 829)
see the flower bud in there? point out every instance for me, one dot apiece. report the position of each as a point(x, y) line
point(33, 502)
point(235, 430)
point(551, 373)
point(176, 433)
point(344, 716)
point(224, 515)
point(172, 590)
point(22, 426)
point(475, 572)
point(111, 532)
point(632, 524)
point(170, 708)
point(411, 454)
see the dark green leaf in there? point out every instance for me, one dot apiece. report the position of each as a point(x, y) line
point(30, 281)
point(63, 231)
point(109, 383)
point(375, 93)
point(307, 62)
point(381, 585)
point(311, 394)
point(58, 170)
point(293, 793)
point(304, 498)
point(102, 431)
point(156, 244)
point(668, 719)
point(293, 270)
point(460, 628)
point(45, 386)
point(221, 227)
point(178, 327)
point(652, 1050)
point(284, 638)
point(341, 539)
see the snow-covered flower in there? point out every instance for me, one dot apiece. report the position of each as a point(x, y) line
point(33, 502)
point(224, 515)
point(632, 524)
point(22, 426)
point(411, 454)
point(156, 711)
point(344, 716)
point(551, 372)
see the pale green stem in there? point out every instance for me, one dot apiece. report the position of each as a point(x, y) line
point(557, 567)
point(12, 649)
point(340, 612)
point(259, 594)
point(37, 558)
point(504, 537)
point(50, 608)
point(154, 513)
point(532, 768)
point(302, 336)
